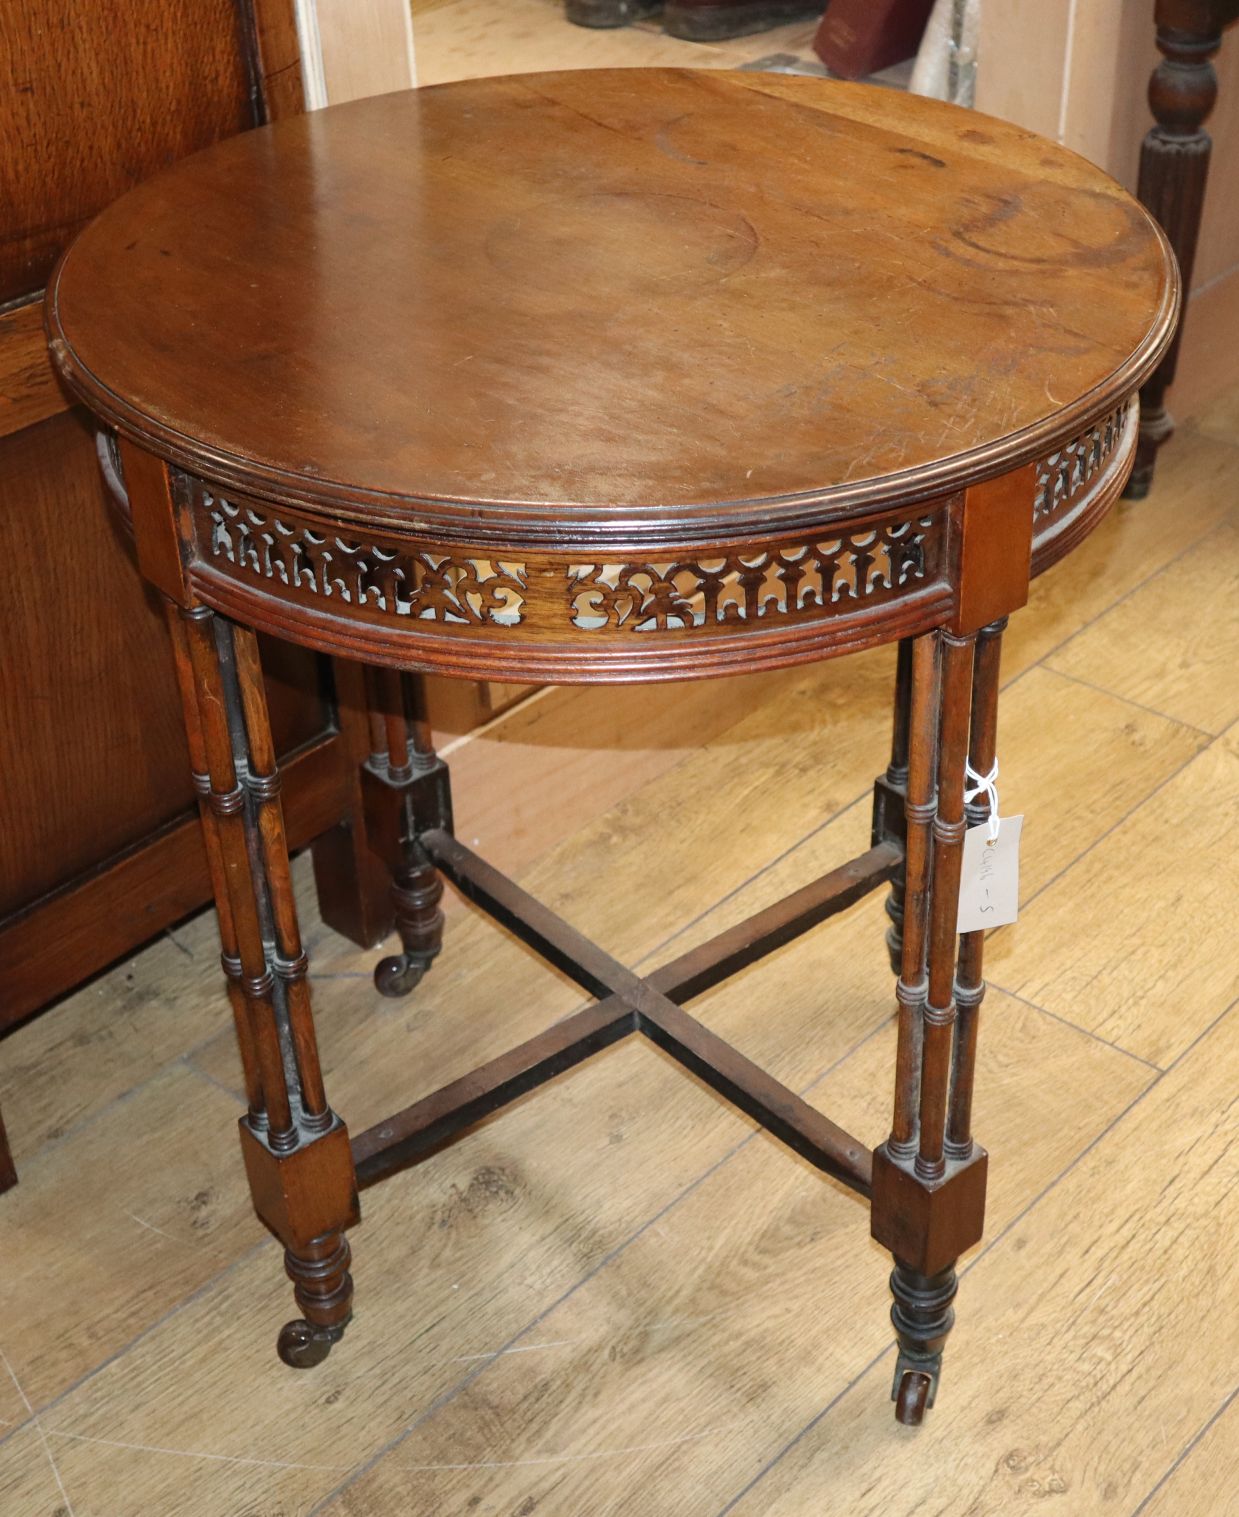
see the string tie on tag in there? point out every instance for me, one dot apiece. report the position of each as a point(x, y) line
point(986, 785)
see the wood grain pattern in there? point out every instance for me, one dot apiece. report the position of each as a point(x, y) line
point(71, 154)
point(462, 1255)
point(29, 390)
point(294, 1145)
point(276, 51)
point(656, 1370)
point(172, 1235)
point(1195, 680)
point(1106, 958)
point(54, 827)
point(1205, 1481)
point(775, 280)
point(27, 1481)
point(1077, 1389)
point(310, 1436)
point(1134, 541)
point(739, 765)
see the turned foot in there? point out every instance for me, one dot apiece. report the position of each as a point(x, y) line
point(301, 1345)
point(400, 973)
point(922, 1316)
point(324, 1291)
point(416, 893)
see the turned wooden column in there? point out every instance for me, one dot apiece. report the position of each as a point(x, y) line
point(1174, 169)
point(296, 1149)
point(401, 752)
point(890, 792)
point(929, 1177)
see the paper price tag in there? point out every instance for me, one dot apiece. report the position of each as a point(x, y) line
point(989, 884)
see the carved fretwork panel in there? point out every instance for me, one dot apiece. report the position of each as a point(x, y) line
point(1065, 476)
point(264, 549)
point(791, 580)
point(400, 582)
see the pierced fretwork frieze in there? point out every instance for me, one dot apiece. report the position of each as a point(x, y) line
point(791, 580)
point(1064, 476)
point(552, 595)
point(428, 586)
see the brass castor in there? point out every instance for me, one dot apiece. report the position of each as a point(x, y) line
point(301, 1345)
point(912, 1395)
point(399, 974)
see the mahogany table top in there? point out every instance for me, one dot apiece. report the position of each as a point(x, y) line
point(637, 305)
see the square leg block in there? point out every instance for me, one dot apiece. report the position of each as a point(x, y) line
point(890, 823)
point(305, 1194)
point(427, 793)
point(927, 1224)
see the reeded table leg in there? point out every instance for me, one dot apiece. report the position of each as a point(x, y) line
point(1174, 166)
point(929, 1177)
point(402, 752)
point(296, 1149)
point(890, 797)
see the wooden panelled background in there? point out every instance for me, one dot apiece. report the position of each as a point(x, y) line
point(98, 840)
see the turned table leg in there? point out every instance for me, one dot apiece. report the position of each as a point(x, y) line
point(402, 753)
point(1174, 166)
point(890, 793)
point(296, 1149)
point(928, 1183)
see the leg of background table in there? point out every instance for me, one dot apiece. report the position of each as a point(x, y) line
point(1174, 165)
point(890, 796)
point(296, 1150)
point(928, 1206)
point(401, 745)
point(352, 881)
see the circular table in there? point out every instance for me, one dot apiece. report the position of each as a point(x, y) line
point(609, 376)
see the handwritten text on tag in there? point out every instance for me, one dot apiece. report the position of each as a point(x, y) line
point(989, 886)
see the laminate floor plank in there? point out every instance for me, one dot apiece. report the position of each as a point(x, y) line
point(111, 1229)
point(1100, 1338)
point(1195, 492)
point(680, 1368)
point(1136, 941)
point(1206, 1479)
point(1187, 620)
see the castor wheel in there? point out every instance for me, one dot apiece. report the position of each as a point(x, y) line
point(399, 974)
point(301, 1345)
point(912, 1396)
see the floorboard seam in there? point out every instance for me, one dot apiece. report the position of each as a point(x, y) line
point(1187, 1448)
point(1075, 1026)
point(1116, 824)
point(186, 1057)
point(505, 1348)
point(1128, 593)
point(1127, 700)
point(989, 1246)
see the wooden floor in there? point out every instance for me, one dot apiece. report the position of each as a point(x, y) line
point(617, 1297)
point(460, 39)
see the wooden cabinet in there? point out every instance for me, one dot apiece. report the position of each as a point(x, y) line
point(99, 844)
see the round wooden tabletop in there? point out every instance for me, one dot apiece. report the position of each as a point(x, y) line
point(660, 306)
